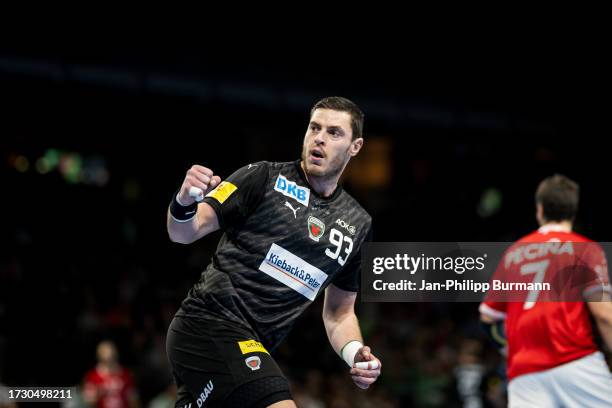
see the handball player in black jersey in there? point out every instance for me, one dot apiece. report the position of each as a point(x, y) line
point(291, 233)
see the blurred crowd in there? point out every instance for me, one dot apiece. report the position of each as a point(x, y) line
point(110, 343)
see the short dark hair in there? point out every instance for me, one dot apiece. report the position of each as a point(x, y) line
point(341, 104)
point(558, 195)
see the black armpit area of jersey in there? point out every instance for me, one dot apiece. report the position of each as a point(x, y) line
point(250, 182)
point(349, 278)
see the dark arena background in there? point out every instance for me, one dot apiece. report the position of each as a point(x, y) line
point(94, 144)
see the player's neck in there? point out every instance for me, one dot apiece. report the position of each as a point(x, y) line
point(324, 186)
point(561, 226)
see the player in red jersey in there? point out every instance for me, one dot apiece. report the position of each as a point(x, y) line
point(553, 360)
point(109, 385)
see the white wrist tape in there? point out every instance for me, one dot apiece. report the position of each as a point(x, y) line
point(349, 351)
point(196, 193)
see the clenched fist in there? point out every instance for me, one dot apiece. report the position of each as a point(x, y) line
point(198, 182)
point(366, 369)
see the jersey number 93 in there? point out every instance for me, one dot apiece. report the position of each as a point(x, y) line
point(337, 239)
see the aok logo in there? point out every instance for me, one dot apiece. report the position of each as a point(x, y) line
point(289, 189)
point(346, 226)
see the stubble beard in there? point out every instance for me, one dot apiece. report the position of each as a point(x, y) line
point(334, 167)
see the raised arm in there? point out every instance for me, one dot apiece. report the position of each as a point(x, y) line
point(188, 220)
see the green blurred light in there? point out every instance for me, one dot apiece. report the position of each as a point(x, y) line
point(490, 202)
point(71, 165)
point(52, 156)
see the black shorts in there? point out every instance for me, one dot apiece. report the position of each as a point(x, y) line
point(220, 365)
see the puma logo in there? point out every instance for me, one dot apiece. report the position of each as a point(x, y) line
point(292, 209)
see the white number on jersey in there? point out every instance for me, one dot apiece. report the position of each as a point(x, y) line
point(337, 238)
point(539, 269)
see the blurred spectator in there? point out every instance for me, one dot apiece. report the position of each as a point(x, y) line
point(469, 375)
point(477, 386)
point(109, 385)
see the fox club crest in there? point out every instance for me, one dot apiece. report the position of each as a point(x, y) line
point(316, 228)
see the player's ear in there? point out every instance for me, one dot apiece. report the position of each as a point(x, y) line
point(540, 213)
point(356, 146)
